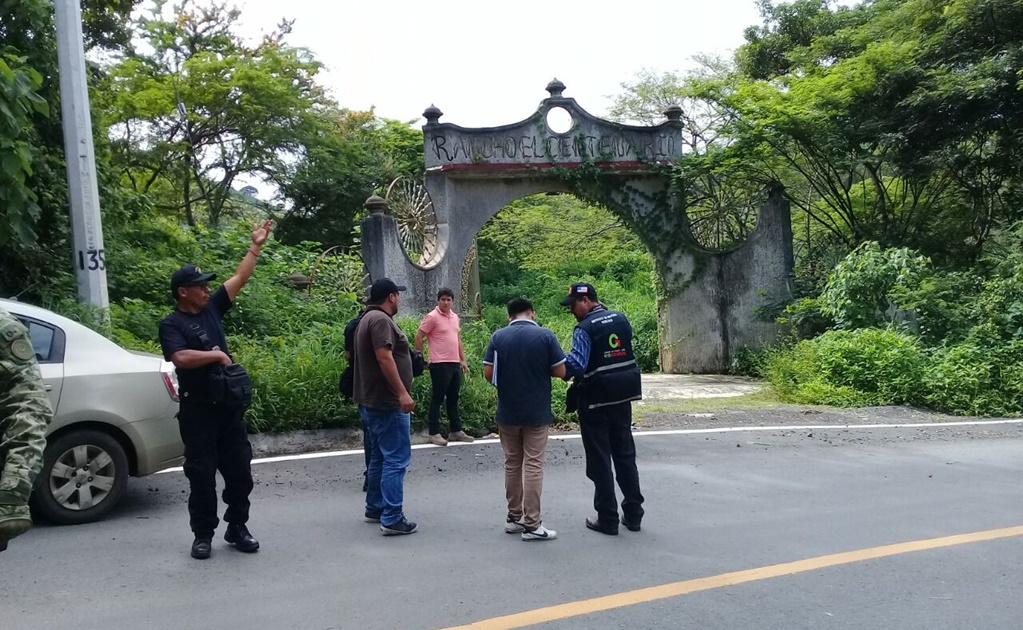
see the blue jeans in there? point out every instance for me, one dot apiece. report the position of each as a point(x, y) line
point(390, 453)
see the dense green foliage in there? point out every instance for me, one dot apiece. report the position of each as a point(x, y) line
point(907, 333)
point(850, 368)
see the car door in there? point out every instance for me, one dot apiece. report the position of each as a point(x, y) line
point(48, 342)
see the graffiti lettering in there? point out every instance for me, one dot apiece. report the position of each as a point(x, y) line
point(458, 148)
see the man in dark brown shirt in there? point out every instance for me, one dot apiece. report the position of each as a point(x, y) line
point(382, 386)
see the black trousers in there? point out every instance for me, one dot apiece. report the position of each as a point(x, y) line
point(215, 439)
point(446, 379)
point(607, 438)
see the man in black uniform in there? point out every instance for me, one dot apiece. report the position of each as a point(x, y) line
point(606, 382)
point(214, 434)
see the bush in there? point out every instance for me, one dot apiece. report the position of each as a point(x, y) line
point(859, 290)
point(294, 379)
point(976, 378)
point(942, 305)
point(805, 319)
point(751, 362)
point(850, 368)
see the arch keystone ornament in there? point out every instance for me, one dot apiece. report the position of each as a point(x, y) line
point(717, 267)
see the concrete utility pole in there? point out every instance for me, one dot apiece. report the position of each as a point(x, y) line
point(83, 191)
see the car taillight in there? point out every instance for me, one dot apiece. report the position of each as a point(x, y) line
point(170, 380)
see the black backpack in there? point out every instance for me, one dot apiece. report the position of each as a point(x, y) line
point(346, 384)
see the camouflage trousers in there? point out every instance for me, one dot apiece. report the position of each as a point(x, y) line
point(21, 450)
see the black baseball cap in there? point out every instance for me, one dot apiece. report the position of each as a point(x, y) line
point(189, 274)
point(579, 290)
point(381, 288)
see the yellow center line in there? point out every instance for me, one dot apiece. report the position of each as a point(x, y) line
point(675, 589)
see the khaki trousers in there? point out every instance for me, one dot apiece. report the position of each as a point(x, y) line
point(525, 448)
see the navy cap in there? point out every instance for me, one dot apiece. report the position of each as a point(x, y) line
point(189, 274)
point(580, 290)
point(381, 288)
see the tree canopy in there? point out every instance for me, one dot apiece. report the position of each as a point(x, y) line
point(185, 111)
point(896, 121)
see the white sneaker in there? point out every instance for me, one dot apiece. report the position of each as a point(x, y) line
point(540, 533)
point(514, 527)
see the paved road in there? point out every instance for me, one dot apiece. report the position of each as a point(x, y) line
point(718, 503)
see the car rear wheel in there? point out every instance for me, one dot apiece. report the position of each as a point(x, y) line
point(83, 477)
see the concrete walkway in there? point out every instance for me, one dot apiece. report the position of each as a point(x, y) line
point(674, 386)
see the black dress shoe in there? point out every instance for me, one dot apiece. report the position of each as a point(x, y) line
point(632, 526)
point(201, 548)
point(239, 536)
point(603, 528)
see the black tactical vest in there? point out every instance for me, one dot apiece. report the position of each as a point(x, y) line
point(611, 375)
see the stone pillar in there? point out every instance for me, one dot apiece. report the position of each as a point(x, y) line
point(758, 276)
point(689, 320)
point(719, 310)
point(384, 256)
point(377, 230)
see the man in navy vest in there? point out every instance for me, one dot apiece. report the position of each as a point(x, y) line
point(606, 382)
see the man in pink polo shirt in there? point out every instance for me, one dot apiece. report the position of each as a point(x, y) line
point(440, 328)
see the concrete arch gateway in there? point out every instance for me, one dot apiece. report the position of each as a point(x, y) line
point(708, 301)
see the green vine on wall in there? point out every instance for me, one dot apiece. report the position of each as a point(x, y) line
point(651, 215)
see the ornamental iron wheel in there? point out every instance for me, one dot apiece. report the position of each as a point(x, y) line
point(412, 208)
point(723, 223)
point(338, 271)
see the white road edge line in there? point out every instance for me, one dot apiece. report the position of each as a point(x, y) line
point(641, 433)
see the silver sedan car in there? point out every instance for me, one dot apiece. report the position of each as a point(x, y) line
point(114, 416)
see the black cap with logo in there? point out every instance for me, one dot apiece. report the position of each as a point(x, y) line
point(580, 290)
point(187, 275)
point(381, 288)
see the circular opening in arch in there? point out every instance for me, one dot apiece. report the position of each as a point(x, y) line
point(559, 120)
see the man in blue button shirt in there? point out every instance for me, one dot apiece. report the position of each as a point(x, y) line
point(520, 361)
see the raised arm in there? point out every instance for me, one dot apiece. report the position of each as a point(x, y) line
point(234, 284)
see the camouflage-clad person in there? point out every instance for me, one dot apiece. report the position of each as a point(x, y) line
point(24, 414)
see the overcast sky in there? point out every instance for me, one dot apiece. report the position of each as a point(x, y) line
point(486, 63)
